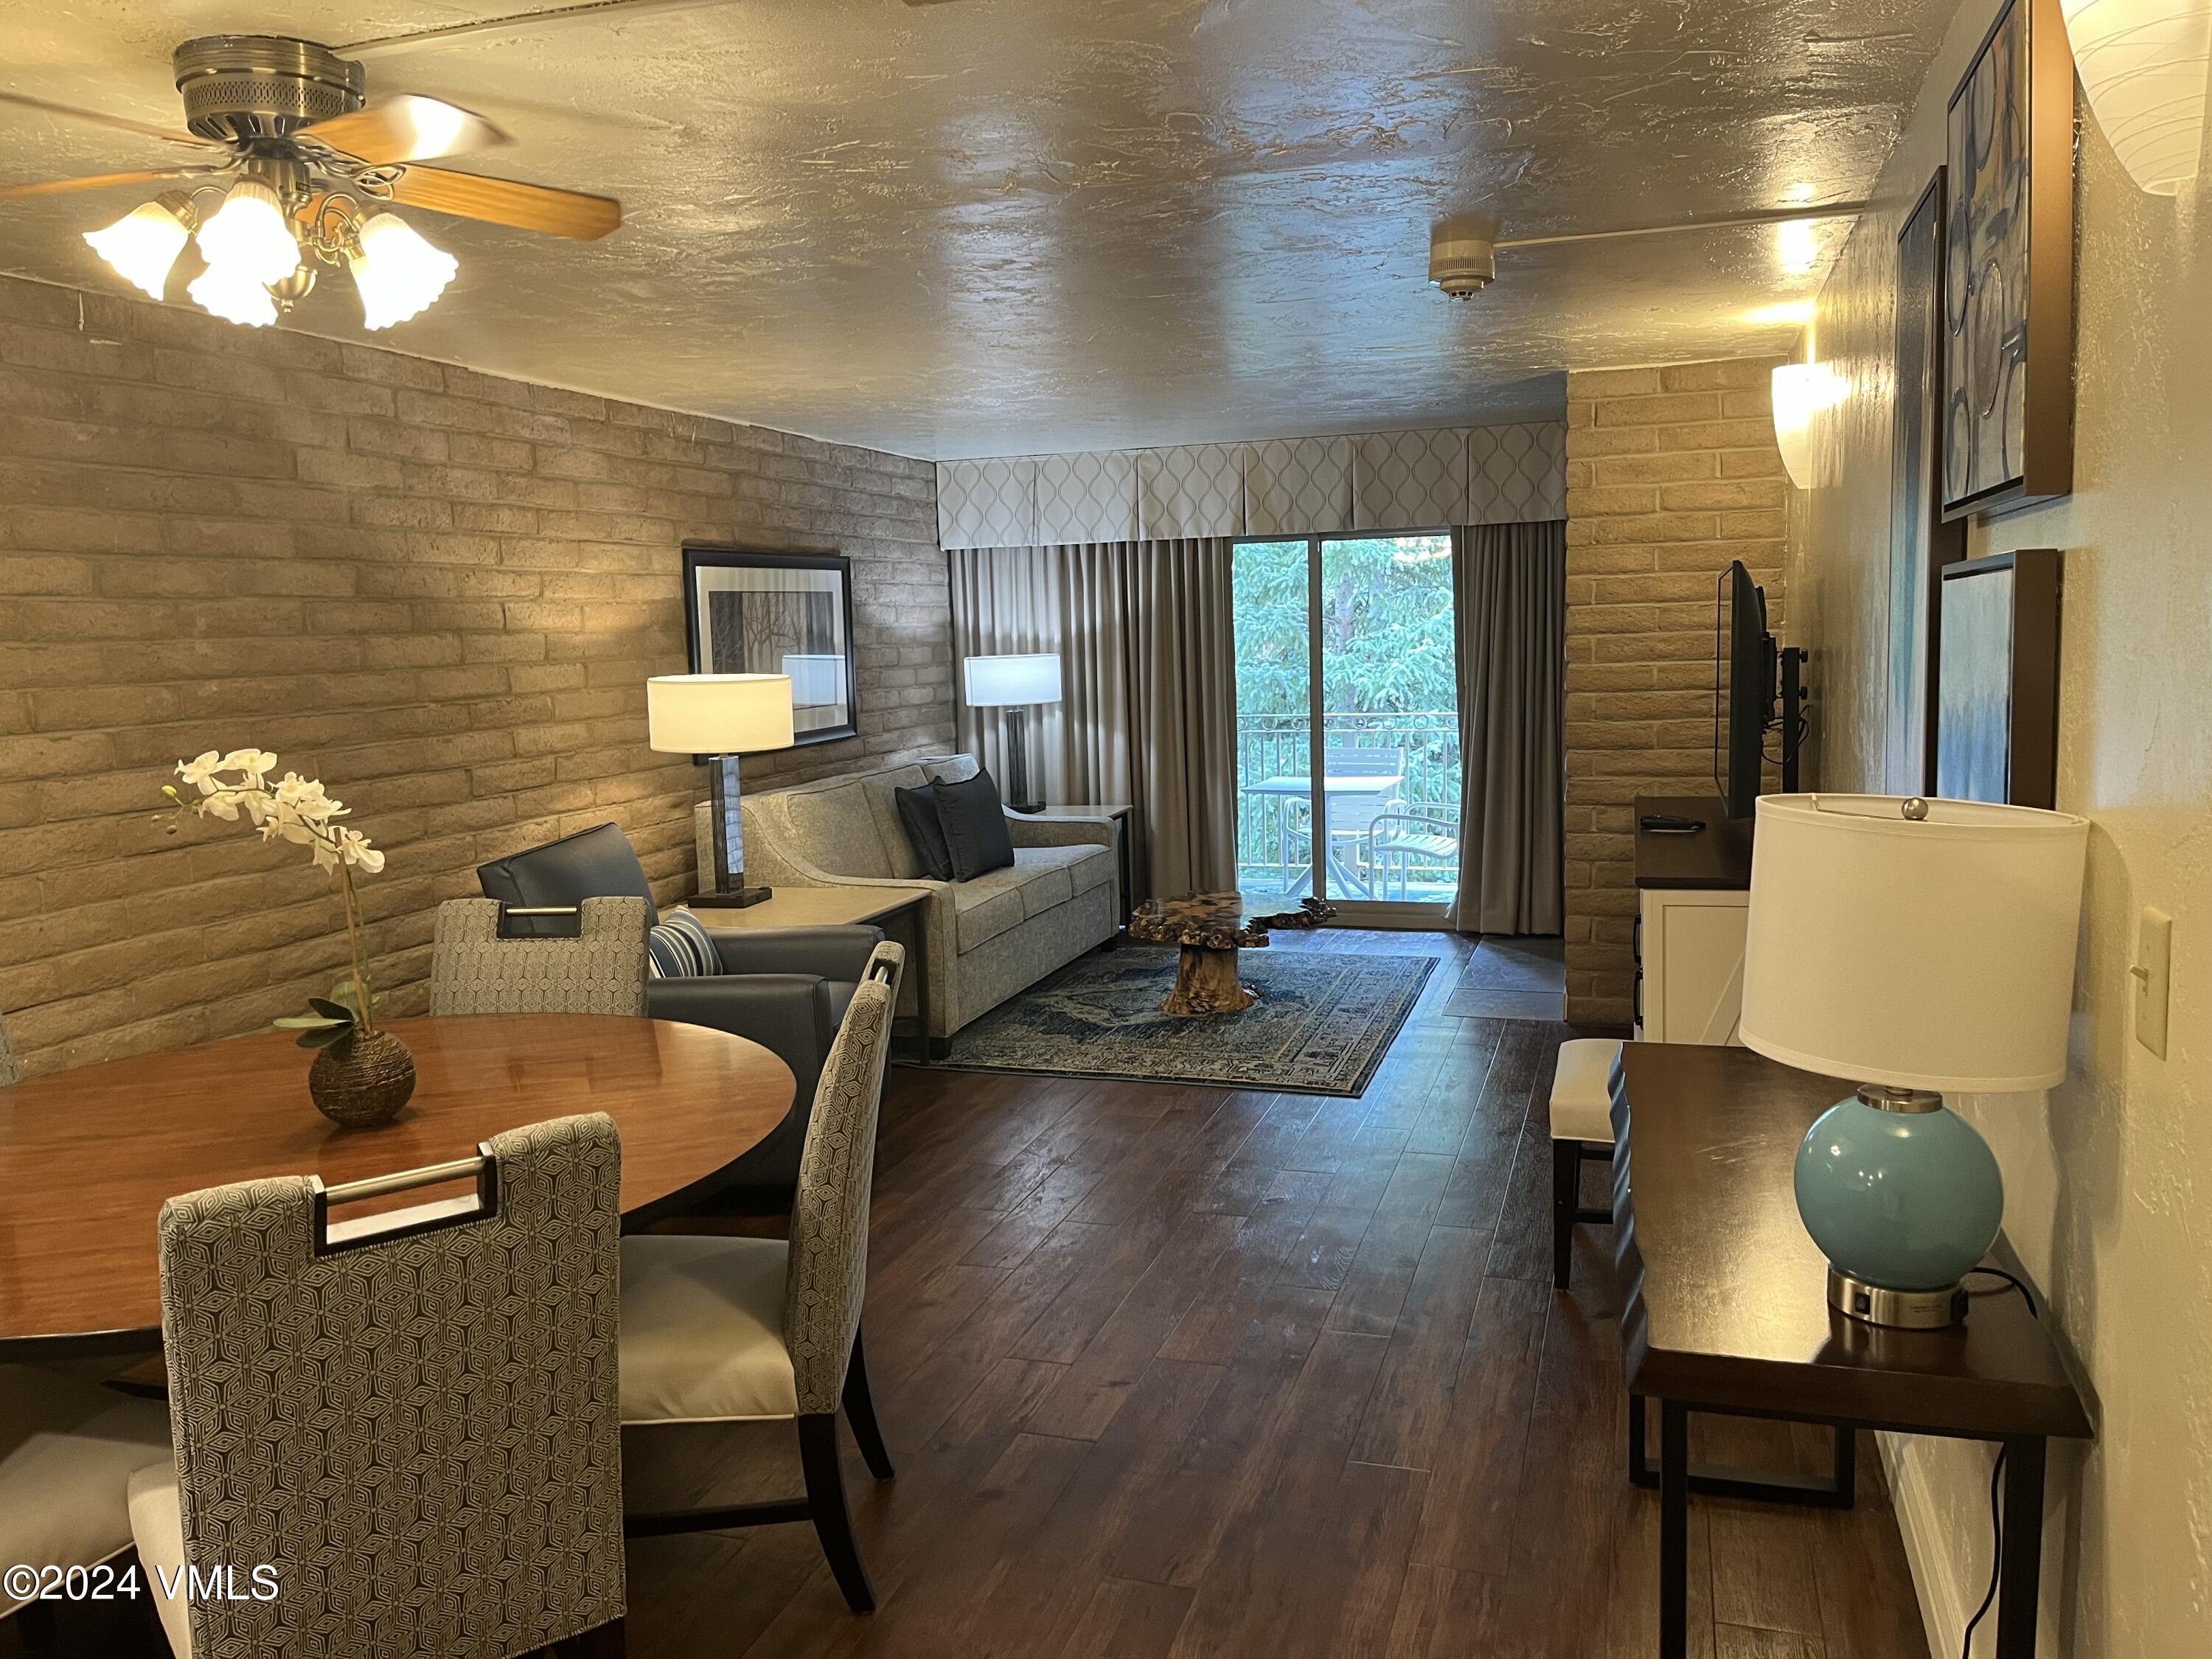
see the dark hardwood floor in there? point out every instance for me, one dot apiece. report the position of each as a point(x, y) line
point(1174, 1373)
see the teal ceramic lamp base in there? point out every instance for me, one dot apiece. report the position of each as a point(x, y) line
point(1904, 1198)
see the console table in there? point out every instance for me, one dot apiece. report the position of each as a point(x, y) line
point(1727, 1312)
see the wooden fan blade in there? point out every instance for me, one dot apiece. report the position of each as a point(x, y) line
point(405, 129)
point(504, 202)
point(121, 123)
point(98, 181)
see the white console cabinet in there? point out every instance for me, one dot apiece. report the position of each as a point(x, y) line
point(1690, 964)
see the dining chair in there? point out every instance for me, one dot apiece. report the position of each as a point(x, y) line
point(68, 1449)
point(411, 1416)
point(476, 966)
point(731, 1330)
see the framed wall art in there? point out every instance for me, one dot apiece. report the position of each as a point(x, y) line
point(2008, 279)
point(1996, 735)
point(1921, 540)
point(777, 613)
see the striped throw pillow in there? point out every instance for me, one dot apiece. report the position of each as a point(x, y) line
point(681, 948)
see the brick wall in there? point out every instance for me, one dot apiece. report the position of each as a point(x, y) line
point(1672, 472)
point(438, 591)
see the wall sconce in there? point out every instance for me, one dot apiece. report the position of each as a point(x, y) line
point(2143, 65)
point(1801, 390)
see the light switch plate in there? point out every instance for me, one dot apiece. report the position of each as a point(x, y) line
point(2151, 972)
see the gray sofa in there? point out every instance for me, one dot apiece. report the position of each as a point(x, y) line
point(988, 938)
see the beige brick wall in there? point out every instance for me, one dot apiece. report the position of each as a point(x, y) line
point(439, 590)
point(1672, 472)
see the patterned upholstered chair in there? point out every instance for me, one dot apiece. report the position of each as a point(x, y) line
point(411, 1416)
point(718, 1329)
point(601, 969)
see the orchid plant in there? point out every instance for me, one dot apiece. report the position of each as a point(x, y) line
point(236, 787)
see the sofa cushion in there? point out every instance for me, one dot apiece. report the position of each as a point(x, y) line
point(974, 822)
point(680, 947)
point(882, 790)
point(836, 831)
point(1086, 864)
point(1045, 881)
point(984, 907)
point(923, 831)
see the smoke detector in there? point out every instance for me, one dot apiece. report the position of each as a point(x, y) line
point(1463, 254)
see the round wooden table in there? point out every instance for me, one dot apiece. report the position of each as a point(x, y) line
point(87, 1156)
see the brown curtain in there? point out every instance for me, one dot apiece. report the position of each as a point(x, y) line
point(1509, 586)
point(1147, 651)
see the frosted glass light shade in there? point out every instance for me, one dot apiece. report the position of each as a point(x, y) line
point(1800, 392)
point(398, 273)
point(816, 679)
point(249, 237)
point(1936, 954)
point(143, 245)
point(234, 297)
point(995, 682)
point(2143, 64)
point(718, 714)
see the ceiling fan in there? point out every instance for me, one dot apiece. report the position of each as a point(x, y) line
point(292, 169)
point(1463, 248)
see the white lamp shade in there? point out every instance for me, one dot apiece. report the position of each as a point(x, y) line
point(994, 682)
point(1801, 390)
point(818, 680)
point(2143, 65)
point(718, 714)
point(143, 245)
point(1932, 954)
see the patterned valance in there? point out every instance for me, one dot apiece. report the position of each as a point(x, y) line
point(1420, 480)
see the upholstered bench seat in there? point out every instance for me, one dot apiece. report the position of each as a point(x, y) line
point(67, 1448)
point(1584, 1089)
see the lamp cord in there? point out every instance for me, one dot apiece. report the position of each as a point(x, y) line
point(1996, 1477)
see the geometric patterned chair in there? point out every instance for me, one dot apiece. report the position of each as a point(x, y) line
point(601, 969)
point(721, 1329)
point(411, 1416)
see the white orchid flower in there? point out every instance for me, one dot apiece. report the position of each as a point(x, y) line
point(327, 857)
point(305, 796)
point(221, 803)
point(256, 763)
point(355, 847)
point(201, 772)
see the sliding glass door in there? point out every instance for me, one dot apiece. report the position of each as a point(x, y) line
point(1347, 723)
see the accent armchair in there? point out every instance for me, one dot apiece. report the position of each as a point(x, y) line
point(784, 988)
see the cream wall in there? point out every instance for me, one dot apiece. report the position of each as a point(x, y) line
point(2109, 1179)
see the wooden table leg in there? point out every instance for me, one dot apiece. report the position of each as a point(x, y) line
point(1206, 983)
point(1673, 1530)
point(2022, 1575)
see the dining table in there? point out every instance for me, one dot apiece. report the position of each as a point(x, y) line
point(87, 1156)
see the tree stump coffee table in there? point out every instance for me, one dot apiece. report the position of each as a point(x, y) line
point(1211, 927)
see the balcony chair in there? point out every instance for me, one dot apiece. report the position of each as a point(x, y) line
point(412, 1417)
point(1426, 835)
point(1351, 815)
point(742, 1330)
point(784, 988)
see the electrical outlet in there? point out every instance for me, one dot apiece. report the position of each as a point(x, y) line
point(2151, 971)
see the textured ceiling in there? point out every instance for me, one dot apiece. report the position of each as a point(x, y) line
point(993, 227)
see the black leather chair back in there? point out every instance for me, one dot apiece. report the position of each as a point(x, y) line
point(595, 863)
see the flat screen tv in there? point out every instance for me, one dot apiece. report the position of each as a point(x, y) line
point(1743, 708)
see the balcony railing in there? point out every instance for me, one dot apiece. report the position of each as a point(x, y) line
point(1274, 832)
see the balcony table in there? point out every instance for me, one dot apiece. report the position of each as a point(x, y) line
point(1332, 785)
point(87, 1156)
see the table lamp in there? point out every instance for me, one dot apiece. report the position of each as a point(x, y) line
point(1922, 948)
point(1014, 683)
point(720, 716)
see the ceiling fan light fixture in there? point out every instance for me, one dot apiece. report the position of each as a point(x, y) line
point(250, 236)
point(233, 295)
point(143, 245)
point(398, 272)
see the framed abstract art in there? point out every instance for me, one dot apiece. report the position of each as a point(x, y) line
point(1996, 726)
point(1921, 541)
point(777, 613)
point(2008, 277)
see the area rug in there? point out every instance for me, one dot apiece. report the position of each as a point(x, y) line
point(1323, 1021)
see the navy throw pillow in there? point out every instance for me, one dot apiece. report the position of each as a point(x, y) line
point(924, 831)
point(975, 821)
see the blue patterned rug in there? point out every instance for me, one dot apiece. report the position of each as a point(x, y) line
point(1324, 1023)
